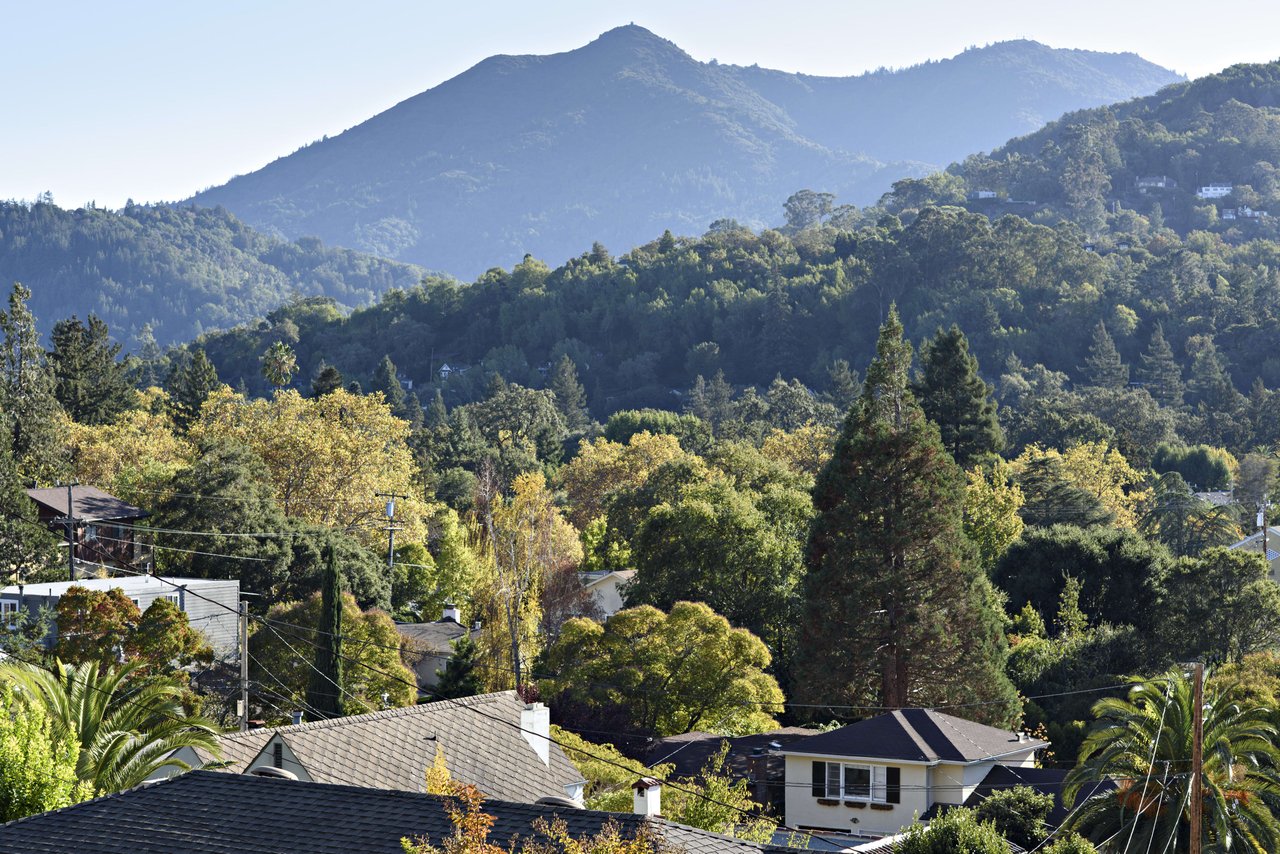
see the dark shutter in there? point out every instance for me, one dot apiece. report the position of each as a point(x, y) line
point(277, 755)
point(819, 779)
point(893, 785)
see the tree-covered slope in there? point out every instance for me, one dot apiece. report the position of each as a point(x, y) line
point(1148, 156)
point(183, 271)
point(629, 135)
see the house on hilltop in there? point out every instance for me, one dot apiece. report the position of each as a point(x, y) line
point(495, 742)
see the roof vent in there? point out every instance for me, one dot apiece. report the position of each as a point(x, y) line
point(559, 801)
point(268, 771)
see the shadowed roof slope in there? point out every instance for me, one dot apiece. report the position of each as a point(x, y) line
point(91, 503)
point(203, 812)
point(917, 735)
point(480, 736)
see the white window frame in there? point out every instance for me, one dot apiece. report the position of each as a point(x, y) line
point(877, 788)
point(7, 606)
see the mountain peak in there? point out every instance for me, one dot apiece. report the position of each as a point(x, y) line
point(634, 37)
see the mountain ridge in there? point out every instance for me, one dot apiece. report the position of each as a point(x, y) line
point(612, 141)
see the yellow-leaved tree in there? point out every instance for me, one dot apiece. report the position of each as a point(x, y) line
point(134, 457)
point(328, 457)
point(991, 504)
point(1098, 469)
point(602, 468)
point(804, 450)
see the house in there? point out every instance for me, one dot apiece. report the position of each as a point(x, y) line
point(211, 604)
point(1156, 182)
point(1260, 544)
point(494, 742)
point(104, 524)
point(979, 195)
point(204, 812)
point(427, 647)
point(872, 778)
point(753, 758)
point(1228, 213)
point(1214, 191)
point(445, 371)
point(608, 589)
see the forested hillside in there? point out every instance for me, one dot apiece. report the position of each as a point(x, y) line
point(641, 329)
point(629, 135)
point(177, 271)
point(1138, 165)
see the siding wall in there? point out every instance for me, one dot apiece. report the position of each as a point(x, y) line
point(804, 811)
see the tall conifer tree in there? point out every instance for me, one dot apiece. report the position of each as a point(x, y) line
point(897, 613)
point(571, 398)
point(189, 387)
point(90, 382)
point(1104, 367)
point(324, 695)
point(957, 399)
point(27, 403)
point(1161, 373)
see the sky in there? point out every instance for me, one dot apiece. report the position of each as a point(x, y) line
point(153, 101)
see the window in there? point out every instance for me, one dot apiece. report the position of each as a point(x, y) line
point(857, 783)
point(8, 606)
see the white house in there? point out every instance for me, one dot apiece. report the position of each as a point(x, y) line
point(872, 778)
point(1214, 191)
point(1156, 182)
point(211, 605)
point(608, 589)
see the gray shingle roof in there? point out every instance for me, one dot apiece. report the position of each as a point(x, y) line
point(432, 637)
point(91, 503)
point(916, 735)
point(480, 737)
point(203, 812)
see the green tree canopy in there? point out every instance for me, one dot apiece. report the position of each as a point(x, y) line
point(956, 398)
point(90, 381)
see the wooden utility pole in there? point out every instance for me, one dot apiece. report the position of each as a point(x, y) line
point(70, 521)
point(244, 665)
point(1197, 757)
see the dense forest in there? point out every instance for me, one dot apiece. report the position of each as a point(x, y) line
point(629, 135)
point(1138, 166)
point(163, 275)
point(1188, 321)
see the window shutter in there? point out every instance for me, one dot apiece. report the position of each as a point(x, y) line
point(819, 779)
point(893, 791)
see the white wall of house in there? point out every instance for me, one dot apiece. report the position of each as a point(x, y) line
point(608, 593)
point(288, 760)
point(805, 811)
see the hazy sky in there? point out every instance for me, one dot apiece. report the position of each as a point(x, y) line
point(104, 101)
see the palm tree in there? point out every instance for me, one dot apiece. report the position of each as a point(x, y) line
point(1143, 744)
point(126, 728)
point(279, 364)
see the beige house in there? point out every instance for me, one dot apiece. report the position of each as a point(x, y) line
point(608, 589)
point(873, 778)
point(1271, 546)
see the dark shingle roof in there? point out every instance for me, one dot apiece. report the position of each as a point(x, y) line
point(91, 503)
point(917, 735)
point(1048, 781)
point(479, 736)
point(432, 637)
point(203, 812)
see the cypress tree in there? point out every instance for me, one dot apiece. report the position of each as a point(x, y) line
point(845, 387)
point(189, 386)
point(324, 696)
point(386, 381)
point(327, 380)
point(1104, 367)
point(459, 677)
point(957, 399)
point(1161, 373)
point(89, 382)
point(571, 397)
point(897, 613)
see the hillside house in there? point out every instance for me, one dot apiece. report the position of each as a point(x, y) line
point(872, 778)
point(1214, 191)
point(981, 195)
point(1156, 182)
point(211, 604)
point(104, 525)
point(1264, 543)
point(608, 589)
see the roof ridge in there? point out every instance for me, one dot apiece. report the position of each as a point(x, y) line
point(382, 714)
point(920, 741)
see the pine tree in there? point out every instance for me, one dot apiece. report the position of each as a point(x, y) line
point(89, 382)
point(719, 401)
point(1161, 373)
point(897, 613)
point(459, 677)
point(327, 380)
point(1104, 367)
point(324, 695)
point(956, 398)
point(845, 387)
point(189, 387)
point(437, 413)
point(571, 398)
point(27, 401)
point(386, 381)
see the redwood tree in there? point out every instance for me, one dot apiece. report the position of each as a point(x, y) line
point(897, 613)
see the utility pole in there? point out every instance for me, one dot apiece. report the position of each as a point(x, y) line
point(1262, 524)
point(1197, 757)
point(70, 521)
point(391, 527)
point(244, 665)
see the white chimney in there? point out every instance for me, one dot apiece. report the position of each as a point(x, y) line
point(647, 797)
point(451, 612)
point(535, 726)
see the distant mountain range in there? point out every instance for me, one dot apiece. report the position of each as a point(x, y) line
point(627, 136)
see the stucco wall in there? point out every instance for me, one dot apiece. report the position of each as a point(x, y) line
point(804, 811)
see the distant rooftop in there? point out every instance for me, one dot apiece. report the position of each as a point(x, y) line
point(91, 503)
point(917, 735)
